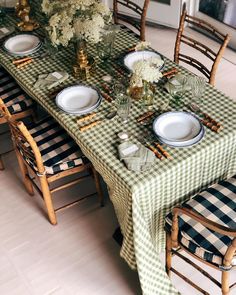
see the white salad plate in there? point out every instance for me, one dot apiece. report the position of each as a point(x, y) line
point(178, 129)
point(131, 58)
point(183, 144)
point(78, 99)
point(22, 44)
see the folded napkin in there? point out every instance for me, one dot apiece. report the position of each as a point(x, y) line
point(176, 84)
point(5, 31)
point(51, 80)
point(136, 157)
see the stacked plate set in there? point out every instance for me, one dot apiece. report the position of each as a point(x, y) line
point(178, 129)
point(22, 45)
point(78, 99)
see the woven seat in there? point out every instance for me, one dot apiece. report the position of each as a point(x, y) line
point(59, 151)
point(46, 153)
point(14, 98)
point(205, 226)
point(217, 203)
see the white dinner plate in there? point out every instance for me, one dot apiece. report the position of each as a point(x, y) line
point(22, 44)
point(131, 58)
point(78, 99)
point(177, 126)
point(184, 144)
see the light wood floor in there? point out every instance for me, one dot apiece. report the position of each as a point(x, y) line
point(78, 256)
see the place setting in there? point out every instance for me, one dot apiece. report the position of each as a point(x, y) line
point(78, 99)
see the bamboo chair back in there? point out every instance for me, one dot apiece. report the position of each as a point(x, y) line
point(139, 21)
point(23, 140)
point(204, 27)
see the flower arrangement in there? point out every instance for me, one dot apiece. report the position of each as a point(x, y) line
point(146, 70)
point(84, 19)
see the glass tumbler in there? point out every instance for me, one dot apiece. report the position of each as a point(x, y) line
point(177, 91)
point(198, 86)
point(123, 103)
point(106, 45)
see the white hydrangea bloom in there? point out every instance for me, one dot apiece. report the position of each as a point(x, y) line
point(146, 70)
point(81, 18)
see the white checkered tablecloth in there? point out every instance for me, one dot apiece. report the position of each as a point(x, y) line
point(141, 200)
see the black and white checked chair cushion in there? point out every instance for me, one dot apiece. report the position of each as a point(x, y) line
point(216, 203)
point(15, 99)
point(58, 150)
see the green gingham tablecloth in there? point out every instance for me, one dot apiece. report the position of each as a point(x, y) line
point(141, 200)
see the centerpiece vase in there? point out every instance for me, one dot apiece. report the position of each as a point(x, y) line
point(148, 93)
point(145, 94)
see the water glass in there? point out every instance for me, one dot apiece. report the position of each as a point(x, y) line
point(198, 86)
point(104, 48)
point(123, 102)
point(177, 91)
point(2, 11)
point(106, 45)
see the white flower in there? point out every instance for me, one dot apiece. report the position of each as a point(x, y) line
point(81, 18)
point(46, 6)
point(142, 45)
point(102, 9)
point(146, 70)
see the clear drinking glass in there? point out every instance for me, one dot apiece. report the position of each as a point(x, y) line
point(177, 91)
point(198, 86)
point(123, 103)
point(105, 46)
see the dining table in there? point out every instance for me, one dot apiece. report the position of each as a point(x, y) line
point(141, 199)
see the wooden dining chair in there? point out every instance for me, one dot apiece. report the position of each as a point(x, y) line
point(183, 38)
point(138, 21)
point(205, 227)
point(47, 152)
point(19, 104)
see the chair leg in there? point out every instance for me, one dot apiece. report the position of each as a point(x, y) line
point(1, 163)
point(98, 187)
point(168, 253)
point(48, 199)
point(225, 283)
point(24, 173)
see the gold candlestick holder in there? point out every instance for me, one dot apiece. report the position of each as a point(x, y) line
point(84, 64)
point(23, 12)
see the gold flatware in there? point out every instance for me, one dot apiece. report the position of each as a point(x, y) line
point(22, 64)
point(155, 151)
point(86, 127)
point(106, 96)
point(21, 60)
point(145, 116)
point(163, 151)
point(211, 126)
point(170, 73)
point(88, 117)
point(119, 71)
point(106, 88)
point(206, 119)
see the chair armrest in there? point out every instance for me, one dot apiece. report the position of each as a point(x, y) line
point(201, 219)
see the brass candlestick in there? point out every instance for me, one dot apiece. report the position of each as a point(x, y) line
point(84, 64)
point(23, 12)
